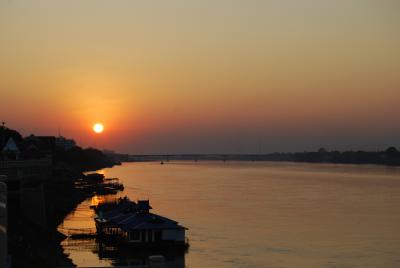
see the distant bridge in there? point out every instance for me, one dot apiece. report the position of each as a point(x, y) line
point(198, 157)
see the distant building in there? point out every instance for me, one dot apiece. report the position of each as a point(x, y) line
point(34, 147)
point(65, 143)
point(31, 157)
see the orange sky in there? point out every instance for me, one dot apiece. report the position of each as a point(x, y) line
point(203, 76)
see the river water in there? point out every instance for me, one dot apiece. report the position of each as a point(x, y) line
point(262, 214)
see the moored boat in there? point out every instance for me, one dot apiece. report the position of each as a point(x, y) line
point(132, 224)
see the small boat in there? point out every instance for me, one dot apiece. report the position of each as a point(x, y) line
point(162, 162)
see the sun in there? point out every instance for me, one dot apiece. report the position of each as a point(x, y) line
point(98, 128)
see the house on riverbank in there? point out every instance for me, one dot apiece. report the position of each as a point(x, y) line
point(29, 157)
point(132, 223)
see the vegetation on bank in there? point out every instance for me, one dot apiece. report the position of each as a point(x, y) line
point(83, 159)
point(391, 156)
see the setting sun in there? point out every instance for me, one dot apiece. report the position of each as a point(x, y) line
point(98, 128)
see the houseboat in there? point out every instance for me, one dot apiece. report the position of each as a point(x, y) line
point(130, 223)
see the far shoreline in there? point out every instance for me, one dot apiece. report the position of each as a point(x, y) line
point(389, 157)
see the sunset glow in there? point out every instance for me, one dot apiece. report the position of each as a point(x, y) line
point(204, 76)
point(275, 121)
point(98, 128)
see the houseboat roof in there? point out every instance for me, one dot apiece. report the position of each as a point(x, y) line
point(129, 216)
point(148, 221)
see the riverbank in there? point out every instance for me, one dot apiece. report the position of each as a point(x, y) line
point(36, 243)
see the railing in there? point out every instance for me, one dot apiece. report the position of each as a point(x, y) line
point(3, 225)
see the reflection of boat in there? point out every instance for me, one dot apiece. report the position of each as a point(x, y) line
point(131, 224)
point(140, 257)
point(125, 256)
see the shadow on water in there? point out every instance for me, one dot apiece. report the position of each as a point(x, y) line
point(118, 256)
point(90, 251)
point(130, 257)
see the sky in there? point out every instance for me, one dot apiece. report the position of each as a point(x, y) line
point(186, 76)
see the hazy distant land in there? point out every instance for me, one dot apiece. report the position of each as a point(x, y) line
point(390, 156)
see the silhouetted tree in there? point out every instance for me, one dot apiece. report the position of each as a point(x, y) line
point(6, 133)
point(85, 159)
point(391, 151)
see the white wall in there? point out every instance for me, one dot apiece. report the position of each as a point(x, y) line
point(3, 224)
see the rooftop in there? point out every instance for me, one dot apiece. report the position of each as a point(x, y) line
point(131, 216)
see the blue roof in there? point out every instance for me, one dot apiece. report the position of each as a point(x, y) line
point(140, 221)
point(129, 216)
point(148, 221)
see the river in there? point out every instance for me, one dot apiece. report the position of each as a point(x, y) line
point(262, 214)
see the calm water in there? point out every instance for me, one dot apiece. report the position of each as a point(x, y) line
point(243, 214)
